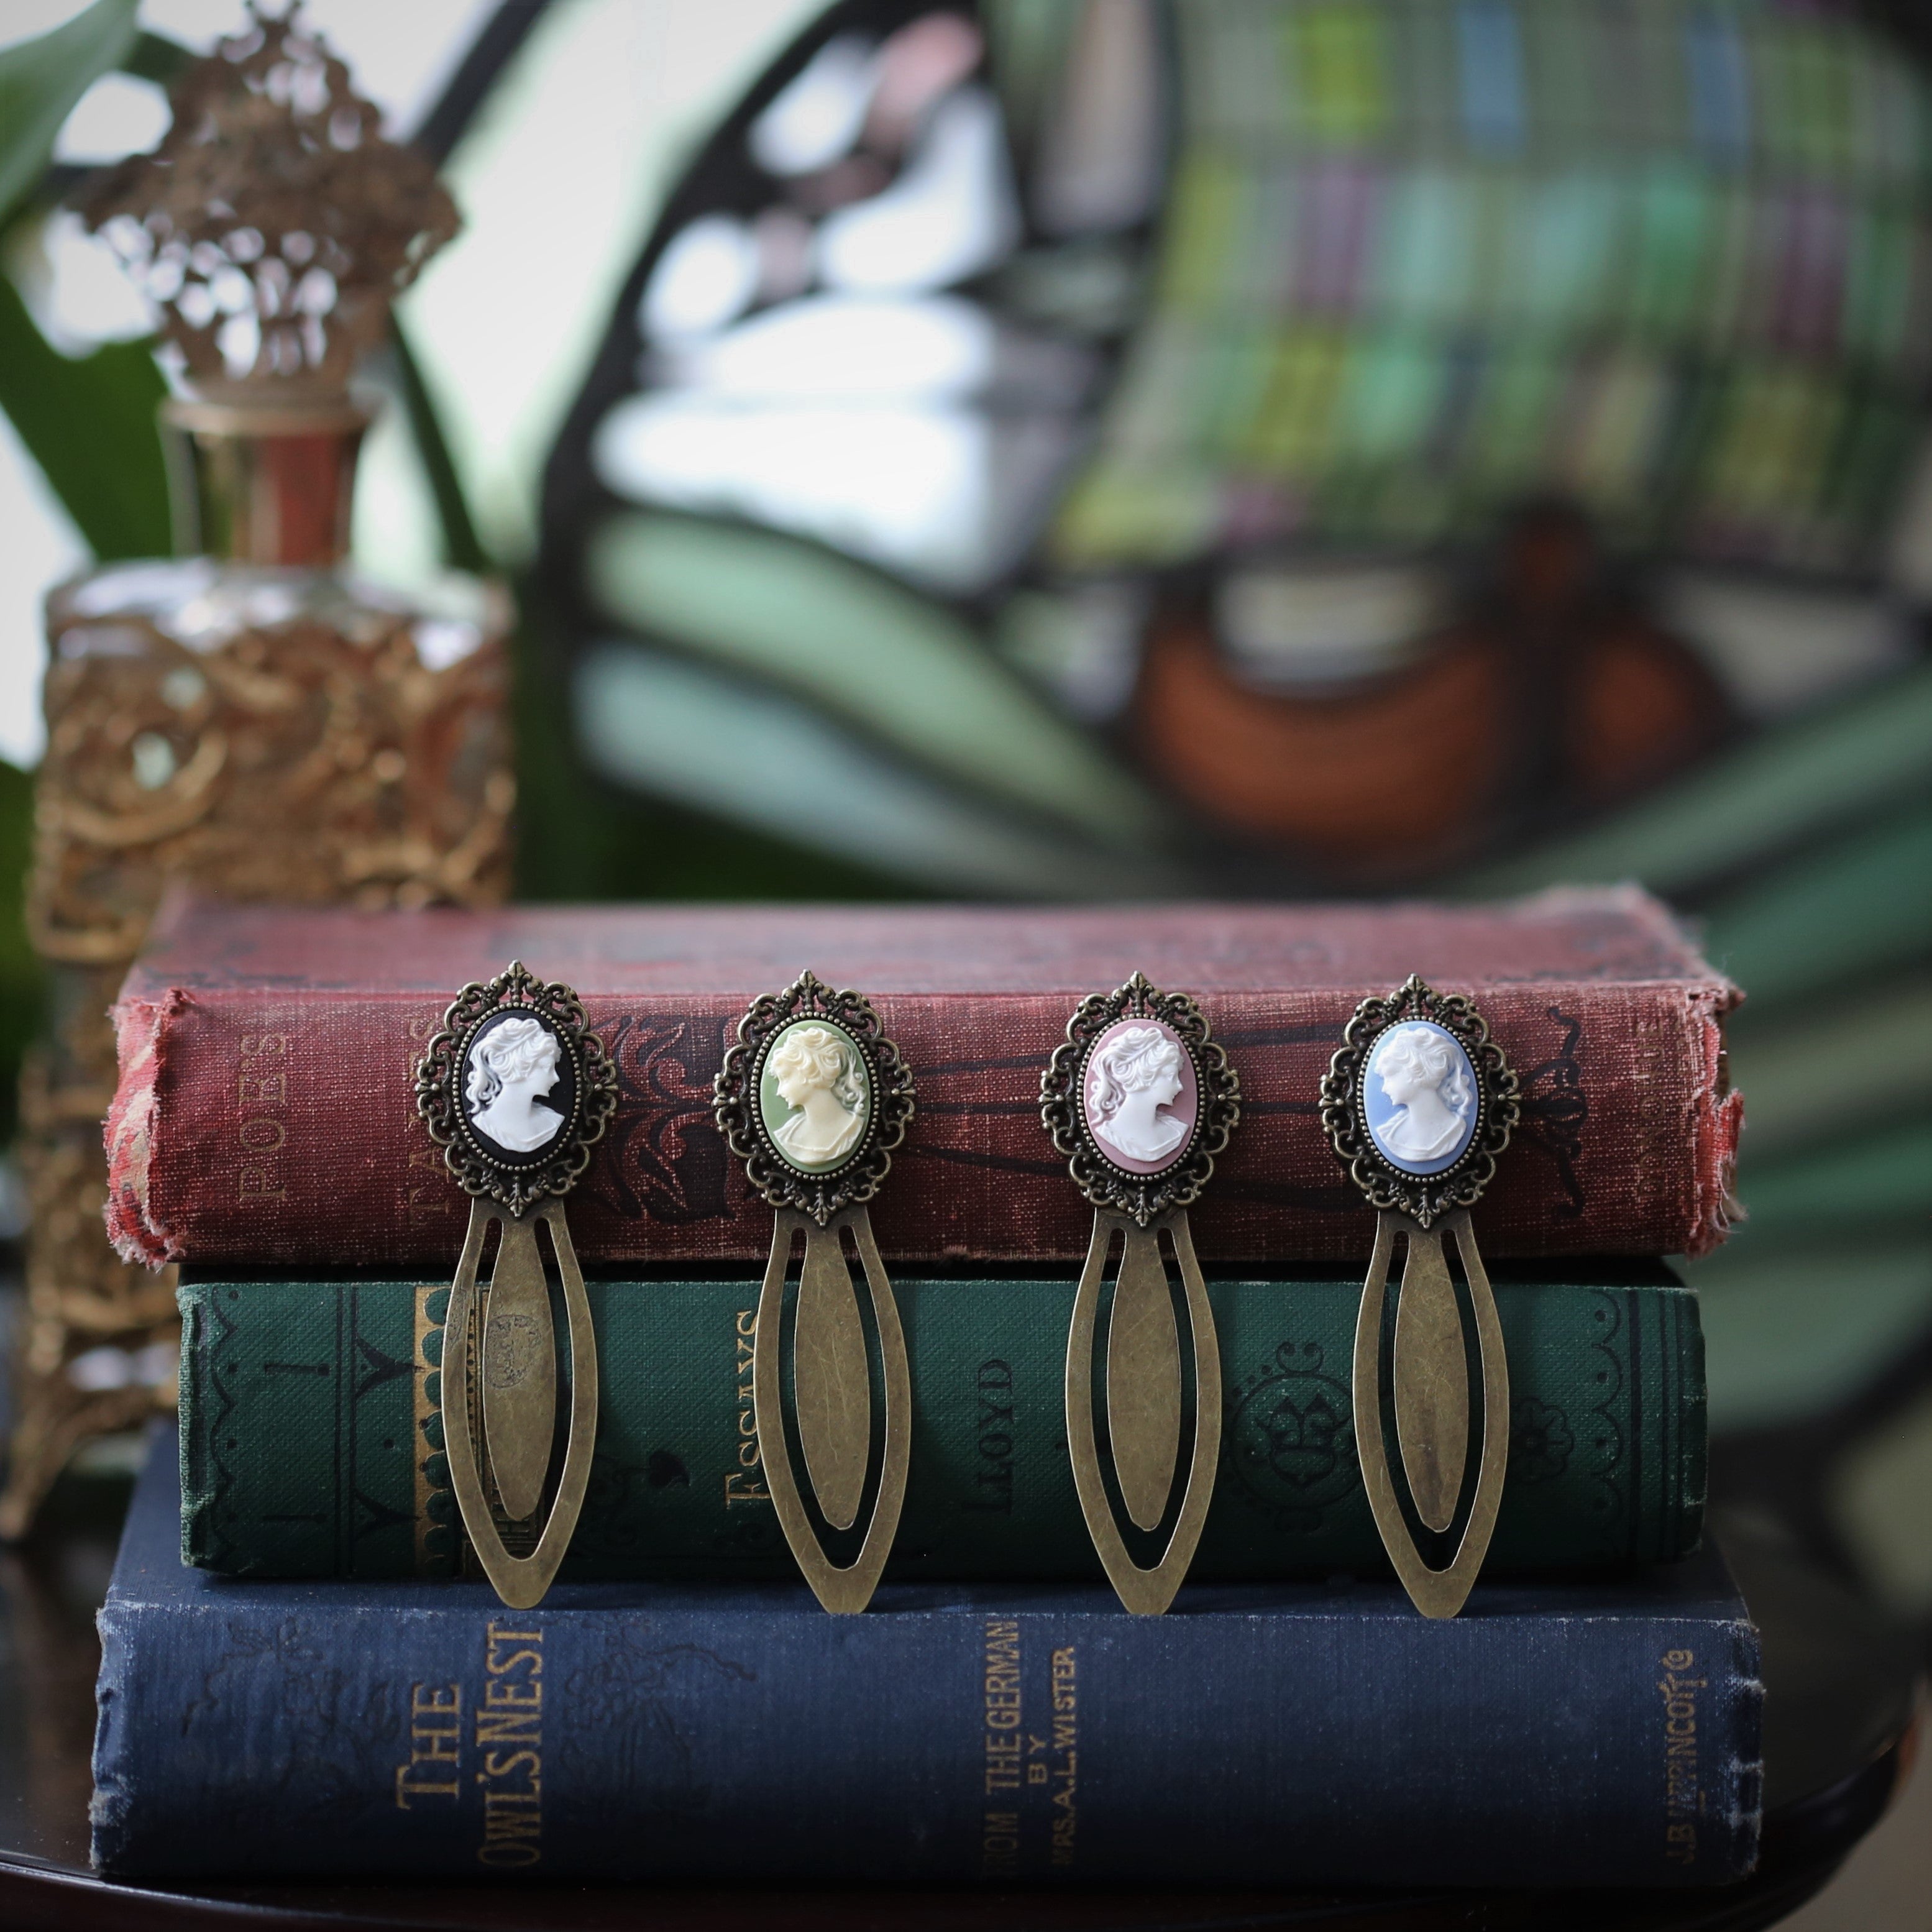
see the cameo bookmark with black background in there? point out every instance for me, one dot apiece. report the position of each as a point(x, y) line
point(516, 1089)
point(814, 1098)
point(1417, 1103)
point(1141, 1100)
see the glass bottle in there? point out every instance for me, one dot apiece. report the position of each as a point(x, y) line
point(250, 718)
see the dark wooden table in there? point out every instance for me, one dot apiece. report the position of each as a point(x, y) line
point(1838, 1716)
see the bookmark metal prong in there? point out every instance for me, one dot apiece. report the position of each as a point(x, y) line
point(516, 1089)
point(814, 1098)
point(1141, 1100)
point(1417, 1102)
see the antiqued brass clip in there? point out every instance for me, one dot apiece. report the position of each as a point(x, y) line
point(1417, 1103)
point(813, 1098)
point(1141, 1100)
point(516, 1089)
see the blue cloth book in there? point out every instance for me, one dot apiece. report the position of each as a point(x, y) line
point(1594, 1731)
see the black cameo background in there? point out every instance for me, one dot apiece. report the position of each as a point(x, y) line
point(583, 1097)
point(1425, 1198)
point(561, 1100)
point(1143, 1197)
point(741, 1119)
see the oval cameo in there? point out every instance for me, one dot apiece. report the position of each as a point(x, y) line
point(815, 1095)
point(519, 1086)
point(1139, 1095)
point(1419, 1097)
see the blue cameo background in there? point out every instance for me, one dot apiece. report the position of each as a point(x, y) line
point(1419, 1097)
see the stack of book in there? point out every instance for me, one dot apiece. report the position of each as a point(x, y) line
point(303, 1676)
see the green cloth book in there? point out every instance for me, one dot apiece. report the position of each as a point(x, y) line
point(311, 1445)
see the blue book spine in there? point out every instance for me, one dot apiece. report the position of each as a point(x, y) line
point(1591, 1733)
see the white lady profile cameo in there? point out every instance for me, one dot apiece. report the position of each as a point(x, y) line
point(1419, 1097)
point(509, 1074)
point(1140, 1095)
point(813, 1098)
point(514, 1087)
point(815, 1095)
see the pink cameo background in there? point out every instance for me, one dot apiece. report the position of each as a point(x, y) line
point(1139, 1096)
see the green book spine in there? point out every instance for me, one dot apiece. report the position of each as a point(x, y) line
point(311, 1443)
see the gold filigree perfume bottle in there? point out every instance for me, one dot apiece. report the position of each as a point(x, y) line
point(249, 716)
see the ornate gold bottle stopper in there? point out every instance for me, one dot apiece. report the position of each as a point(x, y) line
point(1417, 1103)
point(516, 1089)
point(274, 226)
point(1141, 1100)
point(814, 1098)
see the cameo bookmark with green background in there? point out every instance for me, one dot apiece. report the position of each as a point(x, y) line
point(814, 1098)
point(1141, 1100)
point(516, 1089)
point(1417, 1103)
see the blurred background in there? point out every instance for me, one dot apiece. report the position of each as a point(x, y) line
point(1120, 447)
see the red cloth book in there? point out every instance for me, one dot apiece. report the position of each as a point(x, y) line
point(265, 1113)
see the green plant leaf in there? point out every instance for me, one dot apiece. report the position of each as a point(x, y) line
point(462, 547)
point(1794, 1331)
point(89, 423)
point(1845, 911)
point(896, 665)
point(156, 58)
point(1843, 762)
point(41, 79)
point(1872, 1185)
point(1827, 1069)
point(743, 751)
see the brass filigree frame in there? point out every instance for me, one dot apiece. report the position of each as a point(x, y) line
point(554, 1169)
point(1424, 1199)
point(741, 1119)
point(1141, 1198)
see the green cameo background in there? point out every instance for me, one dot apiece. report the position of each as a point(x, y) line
point(814, 1096)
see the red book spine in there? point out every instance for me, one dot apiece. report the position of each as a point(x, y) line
point(277, 1127)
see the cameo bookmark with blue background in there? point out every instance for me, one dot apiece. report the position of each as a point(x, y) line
point(516, 1089)
point(1417, 1103)
point(1141, 1100)
point(814, 1098)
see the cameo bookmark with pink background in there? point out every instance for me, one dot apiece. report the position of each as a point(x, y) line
point(1417, 1103)
point(516, 1089)
point(813, 1098)
point(1141, 1100)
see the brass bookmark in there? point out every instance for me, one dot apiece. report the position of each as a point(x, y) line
point(515, 1089)
point(1418, 1102)
point(1141, 1100)
point(814, 1098)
